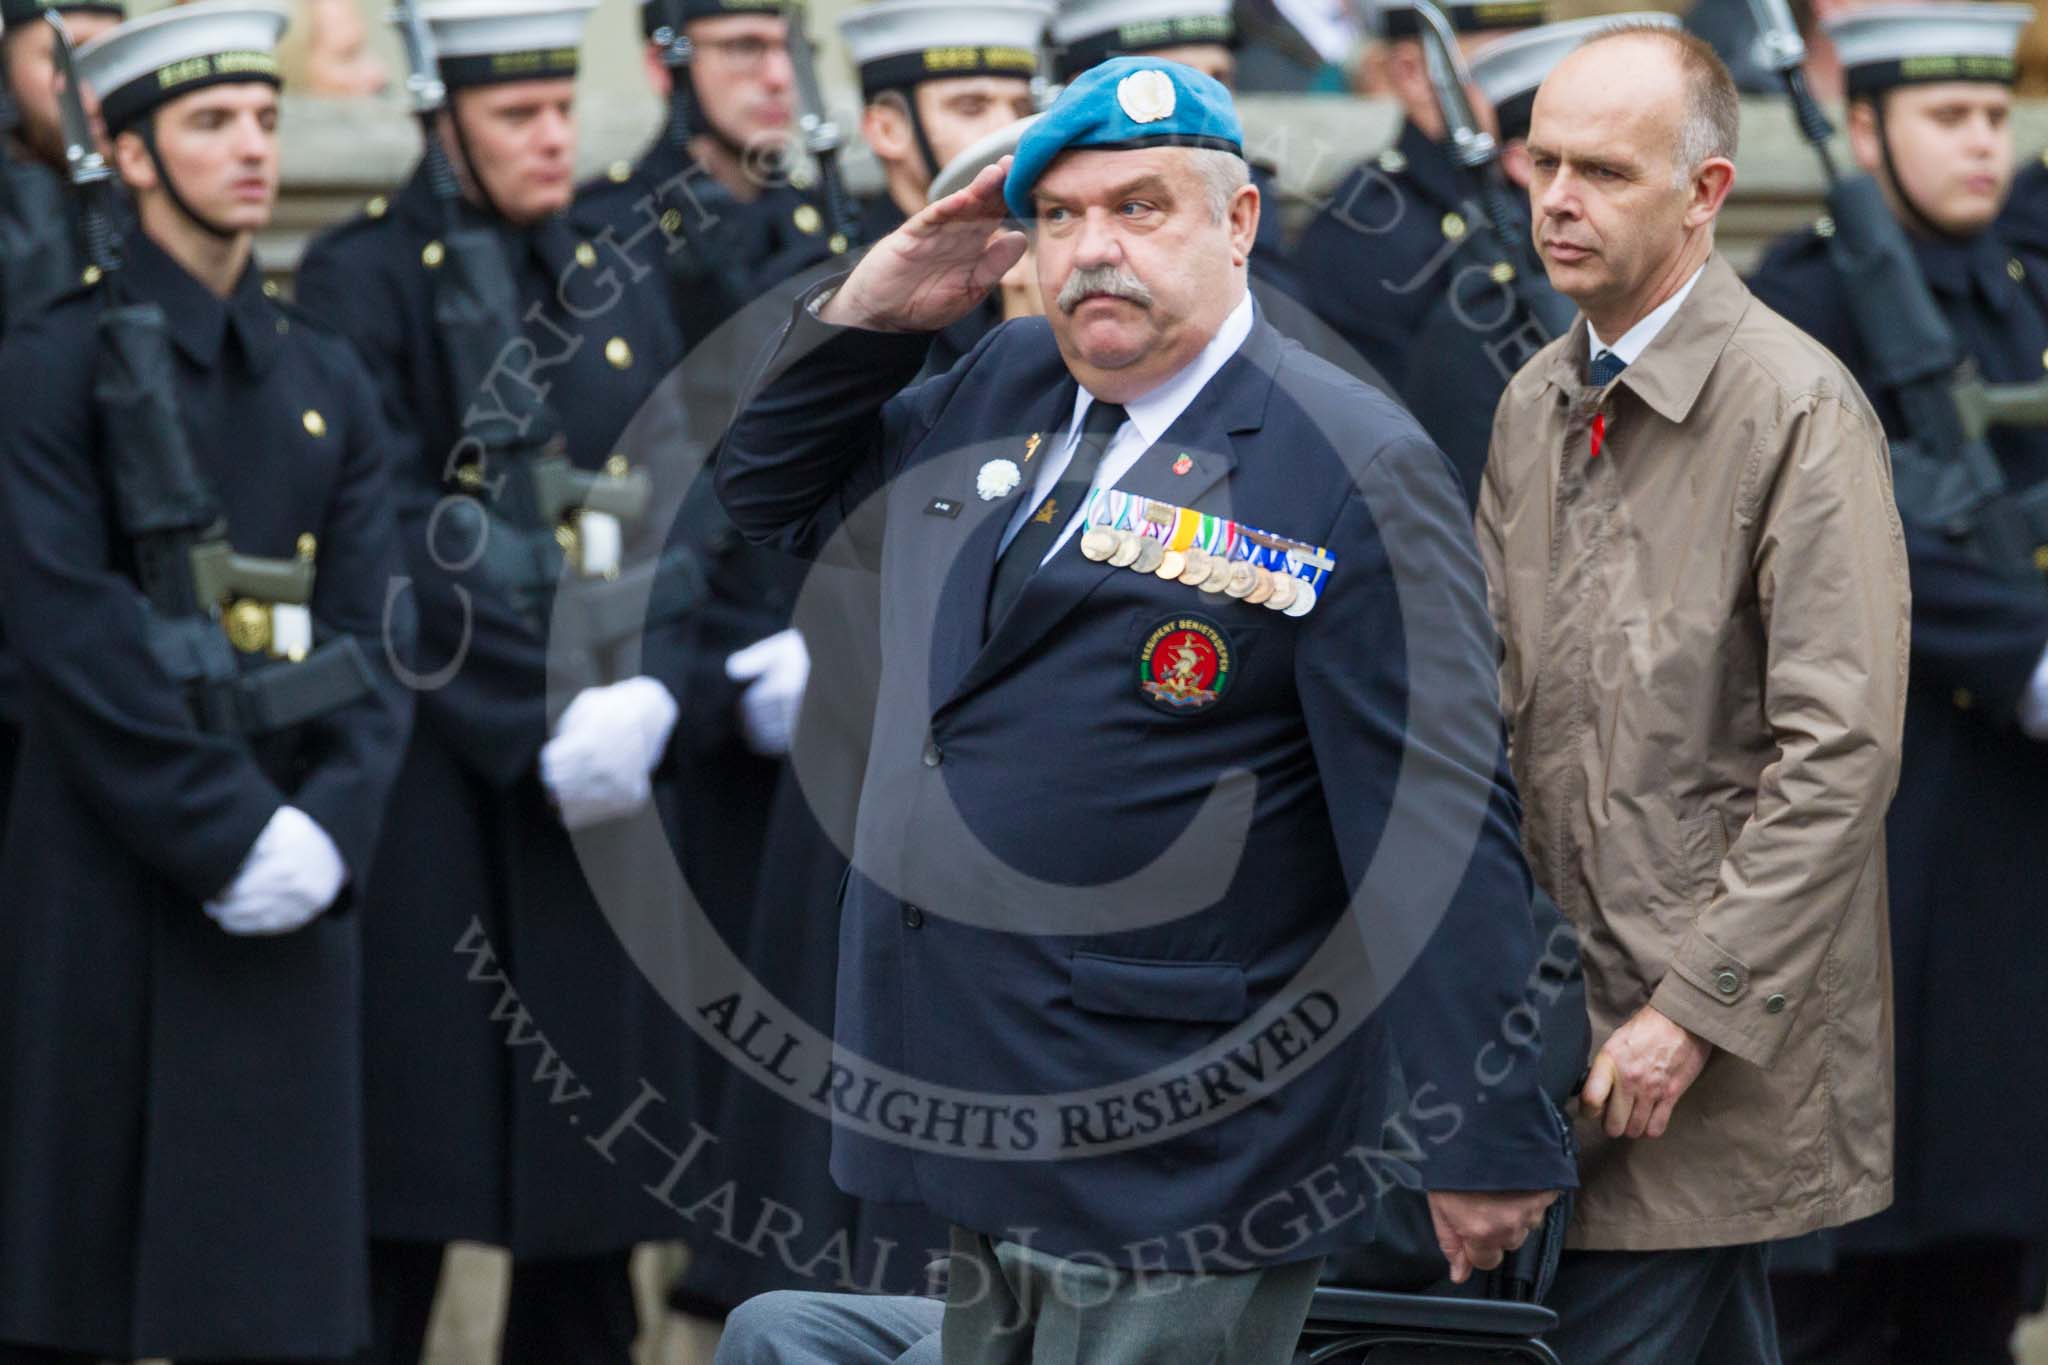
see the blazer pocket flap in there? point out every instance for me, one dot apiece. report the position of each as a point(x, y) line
point(1148, 988)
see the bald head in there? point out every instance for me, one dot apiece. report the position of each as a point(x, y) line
point(1631, 145)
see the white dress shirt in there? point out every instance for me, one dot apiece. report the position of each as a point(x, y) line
point(1637, 339)
point(1146, 420)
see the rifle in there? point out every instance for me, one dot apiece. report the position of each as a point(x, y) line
point(543, 512)
point(1478, 155)
point(1945, 475)
point(207, 604)
point(821, 135)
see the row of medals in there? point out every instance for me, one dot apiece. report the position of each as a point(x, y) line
point(1199, 569)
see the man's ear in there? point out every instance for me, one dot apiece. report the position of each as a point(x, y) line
point(1244, 222)
point(1515, 163)
point(132, 162)
point(1710, 186)
point(1863, 139)
point(886, 129)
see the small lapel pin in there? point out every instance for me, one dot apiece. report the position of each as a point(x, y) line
point(1184, 463)
point(1031, 447)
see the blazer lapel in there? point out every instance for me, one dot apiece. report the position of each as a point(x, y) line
point(1231, 403)
point(962, 605)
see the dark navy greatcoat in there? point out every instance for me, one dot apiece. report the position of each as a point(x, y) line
point(1968, 863)
point(1060, 771)
point(181, 1164)
point(1381, 253)
point(39, 260)
point(476, 1131)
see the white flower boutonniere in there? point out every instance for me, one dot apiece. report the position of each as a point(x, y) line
point(997, 479)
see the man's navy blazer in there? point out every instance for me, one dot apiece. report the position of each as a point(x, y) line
point(1064, 888)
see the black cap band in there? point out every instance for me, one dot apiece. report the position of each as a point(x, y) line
point(1149, 35)
point(908, 69)
point(1489, 17)
point(121, 108)
point(1878, 77)
point(496, 68)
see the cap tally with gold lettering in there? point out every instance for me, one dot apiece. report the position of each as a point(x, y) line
point(1887, 46)
point(898, 44)
point(1123, 104)
point(1508, 69)
point(1397, 18)
point(1090, 31)
point(148, 62)
point(507, 40)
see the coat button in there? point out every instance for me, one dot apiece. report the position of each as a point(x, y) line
point(1727, 982)
point(932, 756)
point(913, 918)
point(1774, 1005)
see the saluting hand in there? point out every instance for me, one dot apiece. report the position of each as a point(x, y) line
point(1640, 1073)
point(936, 268)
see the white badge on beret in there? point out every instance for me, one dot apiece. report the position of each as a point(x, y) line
point(1970, 37)
point(897, 28)
point(1186, 20)
point(1146, 96)
point(164, 46)
point(1516, 63)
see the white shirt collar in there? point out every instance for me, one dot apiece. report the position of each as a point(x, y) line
point(1637, 339)
point(1162, 407)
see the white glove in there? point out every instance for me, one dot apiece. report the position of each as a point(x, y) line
point(293, 872)
point(605, 744)
point(778, 666)
point(2034, 705)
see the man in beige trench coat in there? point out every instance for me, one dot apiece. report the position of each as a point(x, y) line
point(1697, 571)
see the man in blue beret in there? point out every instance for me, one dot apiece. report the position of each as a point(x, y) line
point(1186, 798)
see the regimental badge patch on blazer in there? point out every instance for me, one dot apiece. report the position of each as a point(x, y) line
point(1184, 665)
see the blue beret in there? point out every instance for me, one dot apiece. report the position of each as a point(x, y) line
point(1122, 103)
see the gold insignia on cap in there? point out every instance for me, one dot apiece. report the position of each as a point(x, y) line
point(1453, 225)
point(807, 219)
point(2015, 269)
point(247, 623)
point(432, 254)
point(618, 466)
point(1502, 273)
point(671, 221)
point(1823, 226)
point(1392, 161)
point(619, 172)
point(586, 255)
point(270, 289)
point(377, 207)
point(618, 353)
point(315, 424)
point(91, 275)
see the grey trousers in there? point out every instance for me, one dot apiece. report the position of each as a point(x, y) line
point(1710, 1306)
point(790, 1327)
point(1009, 1305)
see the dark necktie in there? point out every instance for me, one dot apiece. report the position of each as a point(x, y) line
point(1038, 533)
point(1605, 366)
